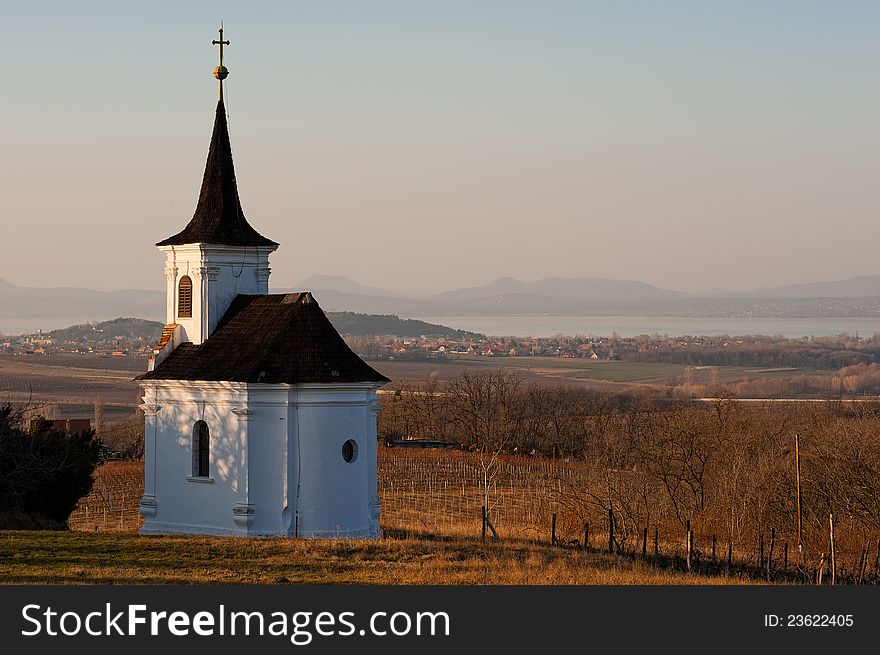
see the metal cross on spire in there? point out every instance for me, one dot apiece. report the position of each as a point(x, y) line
point(221, 72)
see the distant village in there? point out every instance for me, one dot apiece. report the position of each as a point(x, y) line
point(100, 343)
point(46, 344)
point(103, 342)
point(128, 340)
point(642, 347)
point(120, 337)
point(439, 347)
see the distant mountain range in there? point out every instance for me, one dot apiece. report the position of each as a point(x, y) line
point(599, 296)
point(595, 288)
point(854, 287)
point(74, 302)
point(581, 288)
point(502, 297)
point(343, 284)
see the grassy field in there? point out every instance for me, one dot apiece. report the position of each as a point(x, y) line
point(627, 372)
point(576, 369)
point(127, 558)
point(431, 519)
point(104, 548)
point(582, 373)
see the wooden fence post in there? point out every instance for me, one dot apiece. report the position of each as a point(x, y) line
point(729, 555)
point(490, 526)
point(863, 563)
point(553, 529)
point(656, 545)
point(797, 463)
point(484, 524)
point(645, 543)
point(714, 560)
point(770, 558)
point(687, 543)
point(761, 551)
point(689, 546)
point(833, 550)
point(610, 531)
point(587, 535)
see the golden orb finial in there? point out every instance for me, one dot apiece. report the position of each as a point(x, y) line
point(221, 72)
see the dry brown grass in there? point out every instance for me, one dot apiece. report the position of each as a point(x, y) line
point(423, 545)
point(127, 558)
point(431, 500)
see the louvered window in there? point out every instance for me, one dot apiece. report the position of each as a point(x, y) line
point(185, 298)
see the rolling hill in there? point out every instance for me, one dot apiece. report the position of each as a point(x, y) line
point(580, 288)
point(348, 323)
point(854, 287)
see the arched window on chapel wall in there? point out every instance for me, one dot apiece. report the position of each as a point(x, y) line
point(201, 444)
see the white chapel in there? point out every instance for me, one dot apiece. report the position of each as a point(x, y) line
point(258, 418)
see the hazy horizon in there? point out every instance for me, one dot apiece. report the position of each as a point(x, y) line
point(420, 148)
point(275, 284)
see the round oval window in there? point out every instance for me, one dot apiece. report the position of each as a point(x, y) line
point(350, 450)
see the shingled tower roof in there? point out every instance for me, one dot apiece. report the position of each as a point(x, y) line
point(218, 217)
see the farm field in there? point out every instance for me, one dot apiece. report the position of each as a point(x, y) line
point(73, 382)
point(632, 372)
point(73, 389)
point(584, 373)
point(418, 371)
point(130, 362)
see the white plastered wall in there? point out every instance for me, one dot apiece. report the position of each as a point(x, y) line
point(335, 496)
point(276, 463)
point(174, 500)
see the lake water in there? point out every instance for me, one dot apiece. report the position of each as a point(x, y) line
point(631, 326)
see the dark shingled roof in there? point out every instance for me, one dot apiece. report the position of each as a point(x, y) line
point(219, 217)
point(276, 338)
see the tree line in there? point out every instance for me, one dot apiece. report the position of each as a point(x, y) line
point(760, 355)
point(726, 467)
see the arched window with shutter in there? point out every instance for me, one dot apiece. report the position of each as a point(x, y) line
point(185, 297)
point(201, 444)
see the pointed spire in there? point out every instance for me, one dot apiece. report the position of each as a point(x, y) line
point(218, 217)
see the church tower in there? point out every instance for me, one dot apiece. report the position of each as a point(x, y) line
point(258, 418)
point(218, 254)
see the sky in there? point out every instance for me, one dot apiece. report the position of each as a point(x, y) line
point(420, 146)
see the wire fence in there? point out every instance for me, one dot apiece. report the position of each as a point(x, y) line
point(113, 503)
point(443, 492)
